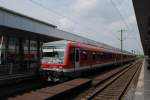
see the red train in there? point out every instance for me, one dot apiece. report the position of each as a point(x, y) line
point(64, 59)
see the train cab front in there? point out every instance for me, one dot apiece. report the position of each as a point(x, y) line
point(52, 62)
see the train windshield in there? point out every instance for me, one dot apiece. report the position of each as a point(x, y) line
point(53, 54)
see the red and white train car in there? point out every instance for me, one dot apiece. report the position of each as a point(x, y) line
point(63, 59)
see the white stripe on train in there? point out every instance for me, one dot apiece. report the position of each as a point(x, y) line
point(83, 67)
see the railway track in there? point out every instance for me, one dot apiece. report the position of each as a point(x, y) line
point(112, 88)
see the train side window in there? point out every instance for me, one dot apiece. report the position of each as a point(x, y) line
point(77, 55)
point(110, 55)
point(104, 55)
point(97, 56)
point(72, 55)
point(94, 55)
point(100, 55)
point(84, 53)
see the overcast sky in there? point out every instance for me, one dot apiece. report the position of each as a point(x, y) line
point(99, 20)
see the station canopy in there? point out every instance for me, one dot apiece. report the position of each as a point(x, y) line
point(142, 12)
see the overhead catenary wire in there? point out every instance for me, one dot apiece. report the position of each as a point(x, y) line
point(126, 13)
point(124, 22)
point(72, 20)
point(122, 17)
point(79, 14)
point(60, 14)
point(131, 28)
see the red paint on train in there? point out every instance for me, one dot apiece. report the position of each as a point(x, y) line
point(79, 57)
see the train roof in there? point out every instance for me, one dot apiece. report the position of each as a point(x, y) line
point(65, 42)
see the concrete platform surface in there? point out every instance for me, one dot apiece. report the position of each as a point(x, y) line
point(143, 87)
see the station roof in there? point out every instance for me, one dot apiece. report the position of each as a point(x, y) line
point(142, 11)
point(25, 26)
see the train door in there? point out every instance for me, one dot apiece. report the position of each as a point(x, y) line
point(77, 58)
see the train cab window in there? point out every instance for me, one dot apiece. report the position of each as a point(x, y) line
point(84, 53)
point(54, 52)
point(77, 55)
point(72, 56)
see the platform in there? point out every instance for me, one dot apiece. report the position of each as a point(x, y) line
point(143, 85)
point(57, 91)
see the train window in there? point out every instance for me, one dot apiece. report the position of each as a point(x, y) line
point(77, 55)
point(98, 56)
point(113, 55)
point(110, 55)
point(94, 55)
point(55, 53)
point(72, 56)
point(101, 55)
point(84, 53)
point(105, 55)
